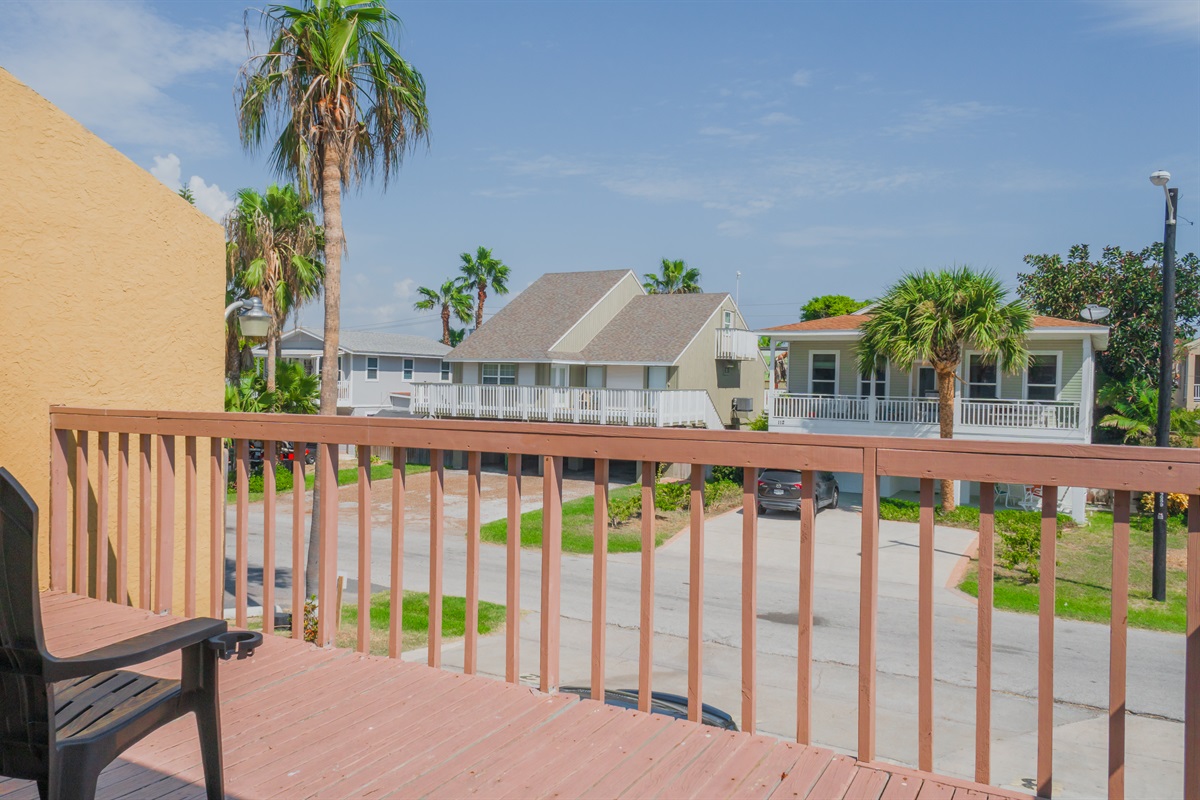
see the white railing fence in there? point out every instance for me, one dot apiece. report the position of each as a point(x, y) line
point(1196, 392)
point(343, 390)
point(736, 344)
point(1057, 415)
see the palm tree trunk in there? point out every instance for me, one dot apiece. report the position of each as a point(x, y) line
point(446, 325)
point(272, 345)
point(331, 218)
point(479, 306)
point(233, 354)
point(946, 427)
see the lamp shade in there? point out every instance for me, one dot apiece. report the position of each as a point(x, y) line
point(254, 321)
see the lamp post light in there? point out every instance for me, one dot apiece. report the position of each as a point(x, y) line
point(253, 319)
point(1166, 363)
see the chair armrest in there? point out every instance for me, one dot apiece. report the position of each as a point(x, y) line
point(135, 650)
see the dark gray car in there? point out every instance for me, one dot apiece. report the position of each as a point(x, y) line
point(779, 490)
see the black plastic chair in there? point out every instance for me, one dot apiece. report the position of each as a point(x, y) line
point(63, 720)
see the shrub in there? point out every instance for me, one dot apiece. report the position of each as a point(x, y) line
point(672, 496)
point(1176, 503)
point(726, 474)
point(723, 491)
point(623, 509)
point(759, 423)
point(283, 480)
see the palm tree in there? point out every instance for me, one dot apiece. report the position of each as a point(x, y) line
point(452, 298)
point(347, 106)
point(481, 271)
point(674, 277)
point(1133, 409)
point(934, 317)
point(273, 246)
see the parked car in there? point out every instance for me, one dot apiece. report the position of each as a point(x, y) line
point(255, 458)
point(779, 490)
point(288, 452)
point(671, 705)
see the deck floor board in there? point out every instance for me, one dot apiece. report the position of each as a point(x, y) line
point(300, 721)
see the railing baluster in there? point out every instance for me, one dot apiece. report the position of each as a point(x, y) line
point(101, 552)
point(395, 621)
point(599, 575)
point(364, 548)
point(268, 575)
point(749, 595)
point(512, 627)
point(82, 492)
point(241, 556)
point(696, 596)
point(925, 630)
point(804, 618)
point(867, 607)
point(437, 485)
point(145, 521)
point(646, 630)
point(121, 590)
point(189, 527)
point(327, 528)
point(471, 629)
point(1045, 739)
point(216, 528)
point(551, 568)
point(1191, 694)
point(299, 489)
point(1118, 639)
point(60, 525)
point(164, 581)
point(983, 654)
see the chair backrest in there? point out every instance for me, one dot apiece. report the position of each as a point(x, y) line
point(26, 732)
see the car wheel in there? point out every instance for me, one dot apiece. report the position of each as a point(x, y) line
point(833, 500)
point(762, 511)
point(310, 459)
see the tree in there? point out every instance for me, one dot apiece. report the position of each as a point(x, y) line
point(482, 271)
point(830, 305)
point(297, 391)
point(1133, 410)
point(273, 243)
point(451, 298)
point(1129, 284)
point(934, 317)
point(344, 106)
point(674, 277)
point(187, 194)
point(456, 336)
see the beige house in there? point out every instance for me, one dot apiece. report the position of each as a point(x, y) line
point(1188, 394)
point(112, 291)
point(593, 347)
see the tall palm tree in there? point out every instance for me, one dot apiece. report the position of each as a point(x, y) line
point(481, 271)
point(934, 317)
point(674, 277)
point(342, 104)
point(452, 298)
point(273, 244)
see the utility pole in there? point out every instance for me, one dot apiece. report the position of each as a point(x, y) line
point(1165, 382)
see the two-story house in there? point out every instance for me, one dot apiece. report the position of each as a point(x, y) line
point(1051, 400)
point(376, 371)
point(594, 347)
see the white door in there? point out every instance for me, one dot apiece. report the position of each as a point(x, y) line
point(625, 377)
point(595, 377)
point(656, 378)
point(560, 375)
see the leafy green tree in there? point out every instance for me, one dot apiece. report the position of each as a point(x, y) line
point(274, 245)
point(481, 271)
point(1133, 410)
point(341, 105)
point(831, 305)
point(457, 335)
point(296, 392)
point(248, 394)
point(674, 277)
point(452, 298)
point(186, 194)
point(935, 316)
point(1127, 282)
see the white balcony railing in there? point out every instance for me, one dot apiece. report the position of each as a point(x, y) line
point(1196, 392)
point(736, 345)
point(661, 408)
point(1025, 414)
point(343, 391)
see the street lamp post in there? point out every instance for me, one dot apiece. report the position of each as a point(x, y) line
point(1166, 365)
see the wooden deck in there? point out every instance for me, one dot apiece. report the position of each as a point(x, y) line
point(303, 722)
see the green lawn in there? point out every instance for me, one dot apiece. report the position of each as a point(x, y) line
point(1084, 581)
point(415, 624)
point(347, 476)
point(577, 527)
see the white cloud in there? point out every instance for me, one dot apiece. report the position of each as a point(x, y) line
point(802, 77)
point(734, 228)
point(112, 65)
point(933, 117)
point(778, 118)
point(832, 235)
point(404, 290)
point(730, 135)
point(1165, 19)
point(209, 197)
point(505, 192)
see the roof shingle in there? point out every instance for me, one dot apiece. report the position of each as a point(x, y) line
point(653, 328)
point(850, 322)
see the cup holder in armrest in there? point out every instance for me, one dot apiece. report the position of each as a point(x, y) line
point(235, 643)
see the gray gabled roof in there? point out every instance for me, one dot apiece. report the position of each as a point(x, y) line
point(652, 329)
point(382, 344)
point(526, 328)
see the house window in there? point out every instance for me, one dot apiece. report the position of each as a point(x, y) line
point(445, 370)
point(876, 384)
point(560, 375)
point(822, 373)
point(983, 378)
point(656, 377)
point(728, 321)
point(500, 374)
point(372, 368)
point(595, 377)
point(408, 369)
point(927, 382)
point(1041, 379)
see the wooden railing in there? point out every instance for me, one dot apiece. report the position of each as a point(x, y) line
point(1008, 414)
point(157, 434)
point(662, 408)
point(734, 344)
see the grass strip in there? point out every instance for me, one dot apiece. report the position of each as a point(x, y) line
point(346, 477)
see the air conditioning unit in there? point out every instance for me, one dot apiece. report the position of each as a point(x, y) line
point(743, 405)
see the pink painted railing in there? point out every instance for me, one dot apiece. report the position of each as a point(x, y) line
point(75, 565)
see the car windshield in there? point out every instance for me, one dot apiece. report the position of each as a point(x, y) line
point(780, 476)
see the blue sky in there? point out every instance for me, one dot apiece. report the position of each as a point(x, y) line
point(816, 147)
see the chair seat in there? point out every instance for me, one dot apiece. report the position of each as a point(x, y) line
point(93, 705)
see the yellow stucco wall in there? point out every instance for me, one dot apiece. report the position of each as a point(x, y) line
point(111, 292)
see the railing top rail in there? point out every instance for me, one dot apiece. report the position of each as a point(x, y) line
point(982, 400)
point(556, 388)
